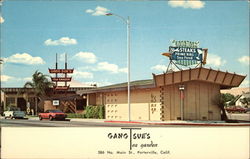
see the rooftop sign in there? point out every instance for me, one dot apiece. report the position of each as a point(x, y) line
point(185, 53)
point(64, 79)
point(186, 56)
point(61, 70)
point(186, 44)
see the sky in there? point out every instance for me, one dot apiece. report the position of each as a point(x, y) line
point(33, 32)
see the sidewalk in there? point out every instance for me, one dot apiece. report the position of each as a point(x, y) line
point(173, 122)
point(184, 123)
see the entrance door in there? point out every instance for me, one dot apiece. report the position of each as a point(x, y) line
point(21, 103)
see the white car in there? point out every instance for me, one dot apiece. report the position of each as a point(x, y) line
point(13, 113)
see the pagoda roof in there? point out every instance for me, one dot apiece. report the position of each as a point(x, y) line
point(226, 80)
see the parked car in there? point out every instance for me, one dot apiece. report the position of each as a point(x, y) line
point(52, 114)
point(13, 113)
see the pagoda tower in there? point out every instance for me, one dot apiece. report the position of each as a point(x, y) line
point(61, 76)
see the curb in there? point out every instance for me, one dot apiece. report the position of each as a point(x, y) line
point(188, 124)
point(85, 120)
point(73, 119)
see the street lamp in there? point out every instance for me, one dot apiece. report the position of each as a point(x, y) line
point(127, 22)
point(1, 62)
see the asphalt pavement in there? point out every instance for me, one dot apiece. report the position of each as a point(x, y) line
point(239, 120)
point(83, 123)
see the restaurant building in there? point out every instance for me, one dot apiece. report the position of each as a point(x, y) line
point(26, 100)
point(191, 94)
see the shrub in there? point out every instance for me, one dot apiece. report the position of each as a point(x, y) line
point(96, 112)
point(101, 113)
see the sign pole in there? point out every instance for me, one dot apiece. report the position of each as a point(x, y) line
point(181, 88)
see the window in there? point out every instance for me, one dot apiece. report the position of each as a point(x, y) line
point(10, 101)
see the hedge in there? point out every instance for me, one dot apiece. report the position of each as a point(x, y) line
point(96, 112)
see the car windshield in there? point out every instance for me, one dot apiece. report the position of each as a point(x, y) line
point(55, 111)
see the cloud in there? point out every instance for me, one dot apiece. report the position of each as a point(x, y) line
point(193, 4)
point(62, 57)
point(103, 83)
point(27, 79)
point(97, 11)
point(1, 19)
point(159, 68)
point(24, 58)
point(5, 78)
point(87, 57)
point(89, 11)
point(113, 68)
point(82, 75)
point(244, 60)
point(61, 41)
point(215, 60)
point(105, 66)
point(123, 70)
point(75, 83)
point(245, 83)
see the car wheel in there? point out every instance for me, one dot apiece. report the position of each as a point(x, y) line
point(40, 118)
point(50, 118)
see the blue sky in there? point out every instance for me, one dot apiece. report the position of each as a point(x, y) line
point(32, 32)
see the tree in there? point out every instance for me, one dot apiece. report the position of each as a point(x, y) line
point(227, 97)
point(224, 98)
point(40, 84)
point(245, 101)
point(221, 102)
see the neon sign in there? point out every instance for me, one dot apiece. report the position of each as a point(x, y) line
point(185, 53)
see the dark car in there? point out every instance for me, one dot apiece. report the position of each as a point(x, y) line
point(52, 114)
